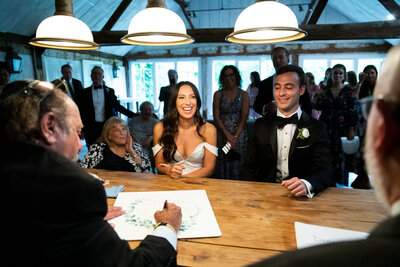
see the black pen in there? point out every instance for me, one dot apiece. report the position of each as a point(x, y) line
point(165, 204)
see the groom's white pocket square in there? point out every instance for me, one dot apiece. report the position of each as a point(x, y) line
point(300, 147)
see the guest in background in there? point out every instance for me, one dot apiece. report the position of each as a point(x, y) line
point(289, 147)
point(74, 86)
point(165, 92)
point(326, 77)
point(141, 128)
point(312, 88)
point(252, 91)
point(340, 109)
point(231, 109)
point(352, 79)
point(367, 81)
point(96, 104)
point(184, 142)
point(116, 151)
point(4, 75)
point(366, 88)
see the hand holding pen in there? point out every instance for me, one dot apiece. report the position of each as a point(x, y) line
point(170, 214)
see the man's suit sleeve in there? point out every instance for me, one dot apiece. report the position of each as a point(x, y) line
point(321, 176)
point(118, 107)
point(259, 101)
point(163, 97)
point(250, 166)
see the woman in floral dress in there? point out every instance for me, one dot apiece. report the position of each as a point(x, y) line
point(339, 107)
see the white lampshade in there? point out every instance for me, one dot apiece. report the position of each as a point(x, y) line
point(64, 32)
point(156, 26)
point(266, 22)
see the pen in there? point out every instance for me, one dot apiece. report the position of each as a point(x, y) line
point(165, 204)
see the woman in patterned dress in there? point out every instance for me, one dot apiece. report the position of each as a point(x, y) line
point(339, 107)
point(230, 109)
point(116, 151)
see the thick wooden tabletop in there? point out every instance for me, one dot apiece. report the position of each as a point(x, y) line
point(256, 219)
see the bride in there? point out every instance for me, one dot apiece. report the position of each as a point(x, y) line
point(185, 143)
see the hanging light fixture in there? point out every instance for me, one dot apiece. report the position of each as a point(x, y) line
point(266, 21)
point(156, 25)
point(64, 31)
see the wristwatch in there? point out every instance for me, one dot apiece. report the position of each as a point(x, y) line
point(164, 224)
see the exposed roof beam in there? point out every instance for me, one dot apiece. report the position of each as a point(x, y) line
point(183, 6)
point(317, 12)
point(309, 12)
point(392, 7)
point(351, 31)
point(117, 14)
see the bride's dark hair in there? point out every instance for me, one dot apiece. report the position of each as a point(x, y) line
point(171, 122)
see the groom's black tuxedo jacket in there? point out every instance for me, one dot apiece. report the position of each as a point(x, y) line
point(309, 158)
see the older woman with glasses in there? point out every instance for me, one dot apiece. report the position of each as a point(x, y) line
point(116, 150)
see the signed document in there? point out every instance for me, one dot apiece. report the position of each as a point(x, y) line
point(198, 219)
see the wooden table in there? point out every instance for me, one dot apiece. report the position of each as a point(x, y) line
point(256, 219)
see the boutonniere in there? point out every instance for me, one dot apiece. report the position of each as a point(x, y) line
point(303, 134)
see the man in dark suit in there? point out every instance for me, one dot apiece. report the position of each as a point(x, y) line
point(264, 100)
point(96, 104)
point(382, 156)
point(74, 86)
point(165, 91)
point(56, 204)
point(288, 146)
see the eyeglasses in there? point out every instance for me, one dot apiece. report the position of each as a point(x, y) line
point(366, 104)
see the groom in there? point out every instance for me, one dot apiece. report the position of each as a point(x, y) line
point(288, 146)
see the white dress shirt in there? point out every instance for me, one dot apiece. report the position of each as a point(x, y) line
point(98, 103)
point(284, 139)
point(167, 233)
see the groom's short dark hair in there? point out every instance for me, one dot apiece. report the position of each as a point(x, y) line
point(292, 68)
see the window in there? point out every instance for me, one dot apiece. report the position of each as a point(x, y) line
point(318, 63)
point(148, 76)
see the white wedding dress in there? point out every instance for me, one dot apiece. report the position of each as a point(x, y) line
point(195, 160)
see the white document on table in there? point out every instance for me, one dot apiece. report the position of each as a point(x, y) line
point(198, 219)
point(308, 235)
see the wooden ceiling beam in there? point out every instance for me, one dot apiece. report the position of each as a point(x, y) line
point(351, 31)
point(317, 12)
point(183, 6)
point(392, 7)
point(116, 15)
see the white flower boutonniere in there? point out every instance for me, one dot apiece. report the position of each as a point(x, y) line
point(303, 133)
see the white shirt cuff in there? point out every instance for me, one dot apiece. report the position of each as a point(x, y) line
point(309, 188)
point(165, 232)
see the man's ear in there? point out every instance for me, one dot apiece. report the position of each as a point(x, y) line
point(49, 128)
point(302, 89)
point(387, 129)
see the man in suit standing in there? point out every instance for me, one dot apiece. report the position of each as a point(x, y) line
point(382, 156)
point(96, 104)
point(165, 91)
point(264, 100)
point(55, 203)
point(74, 86)
point(288, 146)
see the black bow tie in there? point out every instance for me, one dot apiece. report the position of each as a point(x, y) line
point(97, 87)
point(281, 122)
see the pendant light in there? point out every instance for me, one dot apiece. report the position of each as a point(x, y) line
point(266, 21)
point(64, 31)
point(157, 26)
